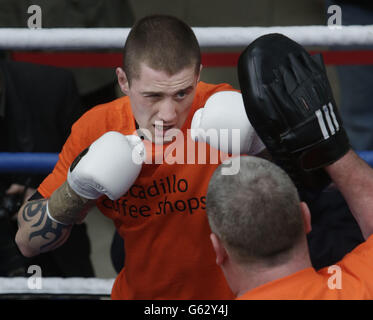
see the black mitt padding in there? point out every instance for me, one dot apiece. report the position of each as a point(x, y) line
point(289, 102)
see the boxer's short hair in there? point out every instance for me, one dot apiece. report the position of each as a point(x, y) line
point(164, 43)
point(256, 213)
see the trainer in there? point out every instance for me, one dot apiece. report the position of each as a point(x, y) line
point(259, 223)
point(259, 233)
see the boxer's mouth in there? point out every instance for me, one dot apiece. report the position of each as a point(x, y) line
point(161, 130)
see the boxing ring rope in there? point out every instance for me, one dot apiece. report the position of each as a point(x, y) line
point(27, 162)
point(63, 39)
point(20, 162)
point(52, 46)
point(56, 286)
point(113, 38)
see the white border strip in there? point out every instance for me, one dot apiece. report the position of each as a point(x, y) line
point(114, 38)
point(51, 285)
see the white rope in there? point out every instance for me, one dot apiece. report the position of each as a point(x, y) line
point(113, 38)
point(304, 35)
point(60, 286)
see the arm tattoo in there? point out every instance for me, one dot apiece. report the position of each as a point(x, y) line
point(30, 211)
point(50, 230)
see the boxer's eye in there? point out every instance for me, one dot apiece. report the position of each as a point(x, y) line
point(153, 97)
point(181, 95)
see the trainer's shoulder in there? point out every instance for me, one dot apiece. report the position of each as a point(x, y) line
point(363, 252)
point(355, 270)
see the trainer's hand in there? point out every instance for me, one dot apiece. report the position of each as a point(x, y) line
point(289, 101)
point(306, 101)
point(223, 123)
point(109, 166)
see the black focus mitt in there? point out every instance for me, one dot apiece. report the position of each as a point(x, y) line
point(289, 102)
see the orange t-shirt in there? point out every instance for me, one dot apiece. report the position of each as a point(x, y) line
point(350, 279)
point(162, 217)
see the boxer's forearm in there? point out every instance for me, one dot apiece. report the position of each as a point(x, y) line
point(37, 233)
point(40, 231)
point(354, 178)
point(46, 224)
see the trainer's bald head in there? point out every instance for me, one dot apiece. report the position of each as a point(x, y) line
point(256, 213)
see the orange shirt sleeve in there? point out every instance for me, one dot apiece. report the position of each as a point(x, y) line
point(70, 150)
point(207, 90)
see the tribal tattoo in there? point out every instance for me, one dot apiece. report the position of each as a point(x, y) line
point(50, 230)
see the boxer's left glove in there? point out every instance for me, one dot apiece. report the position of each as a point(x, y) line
point(223, 123)
point(109, 166)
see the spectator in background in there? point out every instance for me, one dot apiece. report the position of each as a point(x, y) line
point(38, 105)
point(95, 85)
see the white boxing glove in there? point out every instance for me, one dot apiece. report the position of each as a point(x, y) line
point(109, 166)
point(223, 123)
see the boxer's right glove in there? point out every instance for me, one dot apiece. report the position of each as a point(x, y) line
point(109, 166)
point(223, 113)
point(290, 104)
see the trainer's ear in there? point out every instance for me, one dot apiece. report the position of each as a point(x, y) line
point(306, 217)
point(220, 251)
point(122, 80)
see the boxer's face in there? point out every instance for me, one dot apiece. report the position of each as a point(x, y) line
point(160, 101)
